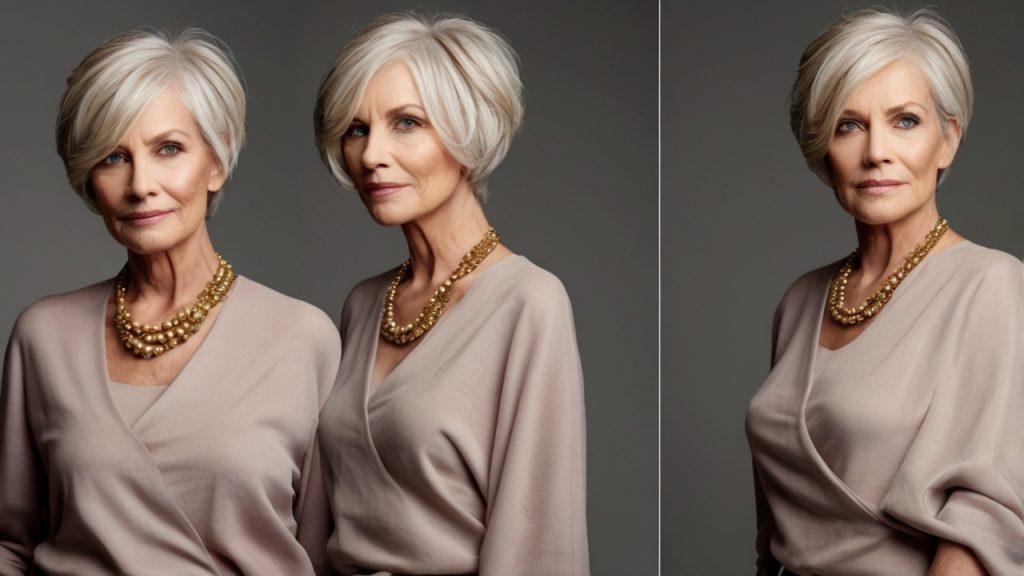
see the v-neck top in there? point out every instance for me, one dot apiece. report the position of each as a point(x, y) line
point(468, 458)
point(132, 401)
point(219, 475)
point(867, 456)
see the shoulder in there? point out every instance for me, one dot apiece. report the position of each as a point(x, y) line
point(529, 286)
point(366, 292)
point(361, 302)
point(979, 261)
point(61, 309)
point(285, 315)
point(809, 287)
point(984, 272)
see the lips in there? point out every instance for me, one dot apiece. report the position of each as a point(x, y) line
point(144, 218)
point(877, 187)
point(381, 189)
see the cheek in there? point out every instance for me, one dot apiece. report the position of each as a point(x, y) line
point(420, 159)
point(106, 190)
point(842, 160)
point(923, 158)
point(350, 155)
point(188, 187)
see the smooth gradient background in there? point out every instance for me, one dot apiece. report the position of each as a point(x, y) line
point(577, 193)
point(743, 217)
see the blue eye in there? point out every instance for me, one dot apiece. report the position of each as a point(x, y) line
point(115, 158)
point(356, 131)
point(846, 126)
point(906, 122)
point(407, 123)
point(169, 149)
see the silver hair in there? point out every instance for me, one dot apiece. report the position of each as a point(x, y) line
point(467, 76)
point(857, 46)
point(108, 91)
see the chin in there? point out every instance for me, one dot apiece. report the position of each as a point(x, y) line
point(881, 215)
point(389, 215)
point(148, 242)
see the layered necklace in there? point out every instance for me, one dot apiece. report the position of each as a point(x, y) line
point(874, 303)
point(151, 340)
point(397, 333)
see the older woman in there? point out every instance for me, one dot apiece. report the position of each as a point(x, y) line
point(453, 441)
point(145, 429)
point(887, 438)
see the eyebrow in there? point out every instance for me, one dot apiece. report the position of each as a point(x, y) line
point(397, 110)
point(892, 110)
point(165, 135)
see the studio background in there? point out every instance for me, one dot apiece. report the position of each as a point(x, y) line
point(743, 217)
point(577, 193)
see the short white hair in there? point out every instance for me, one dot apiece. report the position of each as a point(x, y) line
point(108, 91)
point(467, 76)
point(857, 46)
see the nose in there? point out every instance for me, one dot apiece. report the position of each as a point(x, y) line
point(375, 149)
point(142, 181)
point(878, 149)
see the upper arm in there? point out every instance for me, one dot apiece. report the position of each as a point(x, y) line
point(962, 480)
point(22, 497)
point(536, 497)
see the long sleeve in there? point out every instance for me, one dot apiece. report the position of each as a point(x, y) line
point(312, 510)
point(963, 478)
point(765, 561)
point(765, 524)
point(313, 513)
point(219, 475)
point(22, 494)
point(536, 500)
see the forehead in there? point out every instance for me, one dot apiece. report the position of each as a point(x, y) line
point(898, 82)
point(164, 113)
point(393, 86)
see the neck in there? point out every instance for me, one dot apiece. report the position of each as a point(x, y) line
point(171, 279)
point(438, 241)
point(883, 247)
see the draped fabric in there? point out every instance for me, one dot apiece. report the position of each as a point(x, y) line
point(910, 434)
point(468, 458)
point(219, 475)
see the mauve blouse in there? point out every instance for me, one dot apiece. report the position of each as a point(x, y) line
point(910, 434)
point(220, 475)
point(469, 457)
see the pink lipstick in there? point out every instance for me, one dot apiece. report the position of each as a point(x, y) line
point(381, 189)
point(878, 187)
point(145, 218)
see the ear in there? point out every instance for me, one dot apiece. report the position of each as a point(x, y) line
point(950, 143)
point(216, 179)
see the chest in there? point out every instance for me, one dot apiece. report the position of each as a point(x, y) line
point(124, 366)
point(231, 416)
point(409, 305)
point(834, 335)
point(435, 413)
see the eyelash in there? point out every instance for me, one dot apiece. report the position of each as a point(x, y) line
point(164, 146)
point(116, 158)
point(416, 123)
point(357, 130)
point(914, 121)
point(353, 128)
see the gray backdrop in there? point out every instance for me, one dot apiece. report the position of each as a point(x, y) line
point(577, 193)
point(743, 217)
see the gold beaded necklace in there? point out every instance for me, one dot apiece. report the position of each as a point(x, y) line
point(874, 303)
point(400, 334)
point(149, 341)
